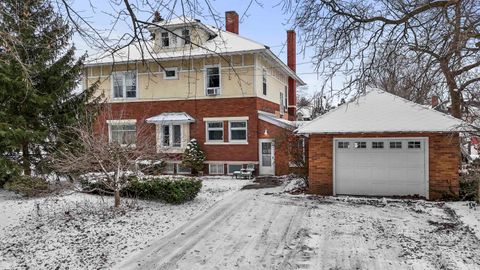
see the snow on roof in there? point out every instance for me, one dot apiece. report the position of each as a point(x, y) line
point(223, 43)
point(379, 111)
point(171, 117)
point(273, 119)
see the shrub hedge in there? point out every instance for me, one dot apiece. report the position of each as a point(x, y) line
point(29, 186)
point(170, 190)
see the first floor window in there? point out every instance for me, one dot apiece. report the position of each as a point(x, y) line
point(124, 134)
point(171, 135)
point(215, 131)
point(238, 130)
point(182, 169)
point(216, 168)
point(233, 168)
point(124, 84)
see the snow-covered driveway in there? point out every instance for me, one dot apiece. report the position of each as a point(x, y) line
point(260, 229)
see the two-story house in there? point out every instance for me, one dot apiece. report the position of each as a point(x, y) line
point(192, 80)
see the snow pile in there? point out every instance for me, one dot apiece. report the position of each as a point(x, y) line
point(295, 185)
point(80, 231)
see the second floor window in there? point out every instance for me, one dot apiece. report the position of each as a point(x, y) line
point(165, 39)
point(282, 106)
point(171, 136)
point(264, 81)
point(125, 84)
point(124, 134)
point(186, 36)
point(212, 80)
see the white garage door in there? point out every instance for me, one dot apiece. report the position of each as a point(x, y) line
point(379, 167)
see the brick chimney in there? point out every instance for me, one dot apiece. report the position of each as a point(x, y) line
point(292, 64)
point(435, 101)
point(231, 21)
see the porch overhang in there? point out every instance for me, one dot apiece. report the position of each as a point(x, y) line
point(171, 118)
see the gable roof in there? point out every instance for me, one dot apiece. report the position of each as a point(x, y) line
point(379, 111)
point(222, 43)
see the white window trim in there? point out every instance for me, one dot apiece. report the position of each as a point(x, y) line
point(207, 139)
point(217, 165)
point(124, 90)
point(170, 69)
point(171, 136)
point(219, 78)
point(218, 119)
point(118, 123)
point(230, 131)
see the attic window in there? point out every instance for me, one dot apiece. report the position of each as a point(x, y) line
point(186, 36)
point(165, 39)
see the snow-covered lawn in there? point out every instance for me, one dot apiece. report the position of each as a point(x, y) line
point(80, 231)
point(363, 233)
point(469, 216)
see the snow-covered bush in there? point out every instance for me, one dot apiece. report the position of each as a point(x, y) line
point(193, 157)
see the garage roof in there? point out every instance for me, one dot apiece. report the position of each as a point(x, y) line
point(379, 111)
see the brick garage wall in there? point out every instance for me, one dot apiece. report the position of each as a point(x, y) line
point(444, 161)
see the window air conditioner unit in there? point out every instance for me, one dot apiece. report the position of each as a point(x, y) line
point(213, 91)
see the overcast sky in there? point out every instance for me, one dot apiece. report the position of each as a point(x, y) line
point(266, 24)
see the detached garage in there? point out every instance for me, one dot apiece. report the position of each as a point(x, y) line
point(383, 145)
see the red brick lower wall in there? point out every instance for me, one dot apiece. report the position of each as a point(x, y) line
point(444, 161)
point(198, 109)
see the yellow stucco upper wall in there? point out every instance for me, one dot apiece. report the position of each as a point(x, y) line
point(239, 78)
point(277, 81)
point(236, 81)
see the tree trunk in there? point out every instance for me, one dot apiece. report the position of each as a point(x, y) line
point(117, 198)
point(455, 96)
point(26, 159)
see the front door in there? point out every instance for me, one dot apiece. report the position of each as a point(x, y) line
point(267, 157)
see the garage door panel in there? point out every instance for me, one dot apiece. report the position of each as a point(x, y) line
point(383, 171)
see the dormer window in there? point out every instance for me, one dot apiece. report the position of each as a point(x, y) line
point(165, 39)
point(186, 36)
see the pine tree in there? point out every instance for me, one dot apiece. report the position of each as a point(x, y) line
point(193, 157)
point(38, 75)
